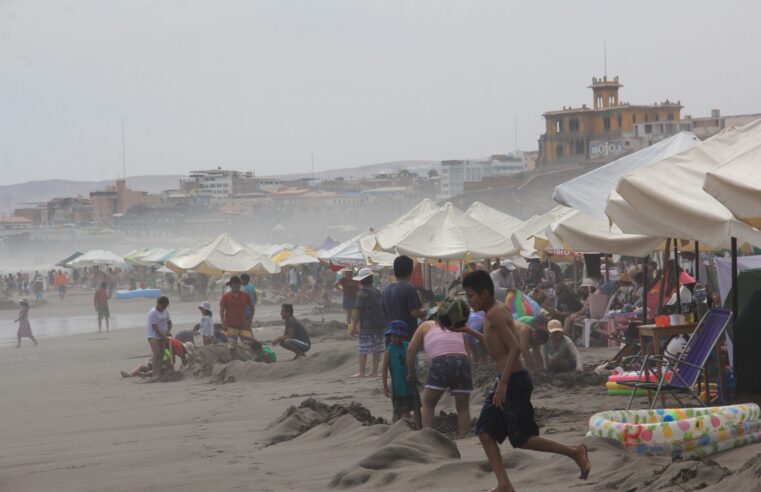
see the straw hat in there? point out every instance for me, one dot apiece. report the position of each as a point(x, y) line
point(624, 277)
point(554, 326)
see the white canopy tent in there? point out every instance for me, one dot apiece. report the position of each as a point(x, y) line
point(351, 253)
point(387, 236)
point(97, 257)
point(667, 199)
point(589, 192)
point(447, 233)
point(525, 237)
point(222, 255)
point(737, 185)
point(500, 222)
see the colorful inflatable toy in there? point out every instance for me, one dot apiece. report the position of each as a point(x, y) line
point(680, 432)
point(131, 294)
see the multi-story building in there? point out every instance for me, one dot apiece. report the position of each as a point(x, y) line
point(118, 200)
point(455, 173)
point(218, 183)
point(708, 126)
point(606, 130)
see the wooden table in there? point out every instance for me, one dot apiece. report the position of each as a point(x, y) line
point(656, 335)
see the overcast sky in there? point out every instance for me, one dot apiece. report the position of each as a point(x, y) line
point(258, 84)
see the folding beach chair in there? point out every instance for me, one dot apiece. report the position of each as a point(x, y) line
point(685, 369)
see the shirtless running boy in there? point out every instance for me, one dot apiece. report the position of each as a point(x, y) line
point(507, 410)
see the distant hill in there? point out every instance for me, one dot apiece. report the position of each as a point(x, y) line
point(45, 190)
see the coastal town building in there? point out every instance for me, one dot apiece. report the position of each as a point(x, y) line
point(708, 126)
point(608, 129)
point(455, 173)
point(218, 183)
point(119, 199)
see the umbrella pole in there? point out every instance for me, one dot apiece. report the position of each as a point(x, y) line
point(645, 283)
point(662, 292)
point(735, 306)
point(676, 277)
point(697, 261)
point(607, 269)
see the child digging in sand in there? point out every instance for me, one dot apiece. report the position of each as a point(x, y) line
point(395, 362)
point(507, 410)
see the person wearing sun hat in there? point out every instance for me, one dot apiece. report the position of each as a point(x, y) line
point(349, 288)
point(450, 366)
point(205, 325)
point(395, 363)
point(560, 353)
point(504, 278)
point(368, 322)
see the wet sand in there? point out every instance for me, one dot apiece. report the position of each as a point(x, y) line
point(72, 423)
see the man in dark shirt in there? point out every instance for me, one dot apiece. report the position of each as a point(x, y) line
point(369, 321)
point(295, 338)
point(566, 303)
point(400, 298)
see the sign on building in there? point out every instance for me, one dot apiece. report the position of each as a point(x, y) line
point(605, 148)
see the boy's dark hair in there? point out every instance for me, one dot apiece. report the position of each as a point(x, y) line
point(255, 346)
point(539, 321)
point(288, 308)
point(103, 285)
point(540, 335)
point(244, 277)
point(367, 280)
point(403, 266)
point(478, 281)
point(162, 301)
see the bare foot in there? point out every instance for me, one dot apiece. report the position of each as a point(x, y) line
point(503, 488)
point(358, 375)
point(582, 459)
point(374, 375)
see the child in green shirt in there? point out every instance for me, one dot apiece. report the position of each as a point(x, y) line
point(262, 353)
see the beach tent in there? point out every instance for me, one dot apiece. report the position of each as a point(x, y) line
point(385, 238)
point(351, 253)
point(667, 199)
point(447, 233)
point(135, 253)
point(300, 259)
point(589, 192)
point(97, 257)
point(500, 222)
point(525, 237)
point(223, 255)
point(65, 262)
point(737, 185)
point(584, 233)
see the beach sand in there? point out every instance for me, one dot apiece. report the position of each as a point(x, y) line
point(71, 423)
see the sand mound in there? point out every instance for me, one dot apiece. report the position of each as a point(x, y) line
point(295, 421)
point(215, 362)
point(568, 380)
point(407, 448)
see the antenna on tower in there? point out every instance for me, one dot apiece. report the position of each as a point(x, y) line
point(124, 152)
point(515, 128)
point(605, 58)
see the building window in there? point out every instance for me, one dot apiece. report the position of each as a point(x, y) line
point(634, 117)
point(574, 124)
point(620, 121)
point(647, 117)
point(579, 146)
point(648, 129)
point(671, 117)
point(657, 116)
point(611, 101)
point(558, 126)
point(558, 151)
point(599, 101)
point(606, 122)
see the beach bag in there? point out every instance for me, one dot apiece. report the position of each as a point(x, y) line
point(521, 304)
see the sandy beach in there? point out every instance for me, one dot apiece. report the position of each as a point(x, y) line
point(72, 423)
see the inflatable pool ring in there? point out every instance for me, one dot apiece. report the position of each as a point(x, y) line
point(680, 432)
point(633, 376)
point(132, 294)
point(615, 389)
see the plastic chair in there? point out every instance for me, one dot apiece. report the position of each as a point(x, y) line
point(598, 304)
point(686, 369)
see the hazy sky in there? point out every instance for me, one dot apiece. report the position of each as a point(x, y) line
point(257, 84)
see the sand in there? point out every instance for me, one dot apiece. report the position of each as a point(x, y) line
point(71, 423)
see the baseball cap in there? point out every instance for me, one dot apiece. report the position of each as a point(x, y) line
point(455, 311)
point(507, 264)
point(363, 274)
point(397, 327)
point(554, 326)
